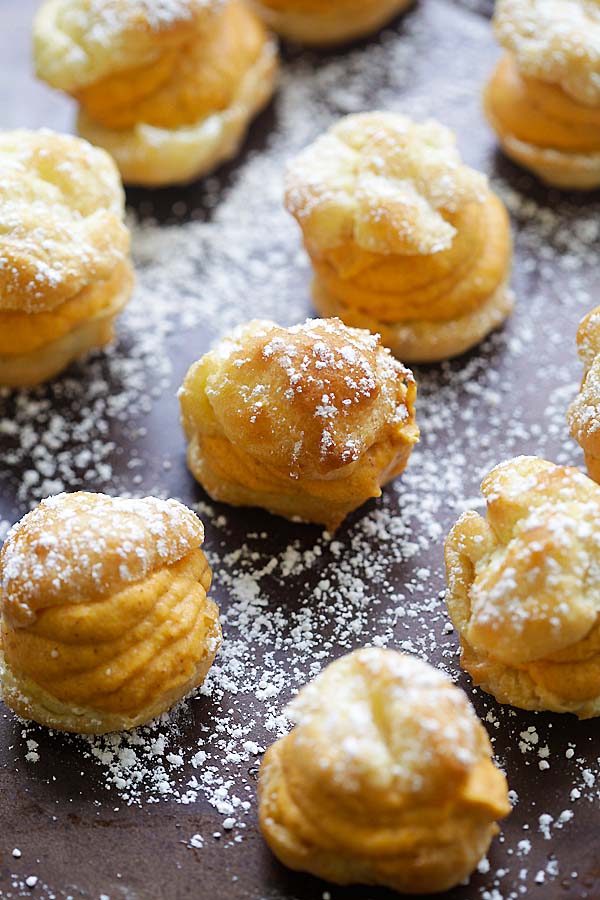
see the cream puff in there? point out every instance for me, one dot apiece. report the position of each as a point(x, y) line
point(524, 587)
point(387, 778)
point(404, 238)
point(327, 22)
point(168, 89)
point(584, 413)
point(308, 422)
point(65, 271)
point(104, 617)
point(543, 100)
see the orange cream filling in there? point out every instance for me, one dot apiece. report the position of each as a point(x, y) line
point(437, 287)
point(187, 83)
point(539, 113)
point(116, 653)
point(22, 332)
point(320, 7)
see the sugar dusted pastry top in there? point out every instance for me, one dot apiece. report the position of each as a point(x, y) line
point(312, 398)
point(78, 42)
point(556, 41)
point(536, 584)
point(74, 547)
point(61, 218)
point(384, 182)
point(386, 726)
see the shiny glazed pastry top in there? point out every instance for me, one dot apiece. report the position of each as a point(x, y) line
point(584, 413)
point(307, 422)
point(167, 87)
point(327, 22)
point(404, 238)
point(104, 615)
point(544, 98)
point(524, 587)
point(66, 271)
point(387, 778)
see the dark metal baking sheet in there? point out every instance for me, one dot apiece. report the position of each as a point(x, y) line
point(291, 598)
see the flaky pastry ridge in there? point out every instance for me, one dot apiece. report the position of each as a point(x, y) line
point(524, 587)
point(404, 238)
point(584, 413)
point(386, 779)
point(104, 615)
point(543, 99)
point(327, 22)
point(64, 249)
point(168, 88)
point(307, 422)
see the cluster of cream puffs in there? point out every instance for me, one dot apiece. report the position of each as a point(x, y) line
point(387, 777)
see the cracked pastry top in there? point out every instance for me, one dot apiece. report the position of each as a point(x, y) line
point(308, 422)
point(543, 99)
point(404, 238)
point(104, 617)
point(387, 778)
point(524, 587)
point(168, 87)
point(65, 271)
point(327, 22)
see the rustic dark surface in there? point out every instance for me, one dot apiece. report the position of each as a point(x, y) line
point(74, 833)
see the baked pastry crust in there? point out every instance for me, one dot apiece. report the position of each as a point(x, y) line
point(584, 413)
point(543, 99)
point(67, 272)
point(523, 591)
point(321, 23)
point(403, 237)
point(104, 615)
point(308, 422)
point(167, 89)
point(387, 778)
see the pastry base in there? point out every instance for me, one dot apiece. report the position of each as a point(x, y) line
point(288, 499)
point(43, 364)
point(431, 869)
point(329, 29)
point(570, 171)
point(424, 341)
point(154, 157)
point(30, 701)
point(517, 688)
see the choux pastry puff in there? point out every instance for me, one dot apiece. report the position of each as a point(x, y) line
point(307, 422)
point(104, 615)
point(404, 239)
point(65, 271)
point(524, 587)
point(387, 778)
point(543, 100)
point(327, 22)
point(584, 413)
point(168, 87)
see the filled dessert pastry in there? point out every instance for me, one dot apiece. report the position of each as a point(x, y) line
point(168, 88)
point(584, 413)
point(104, 615)
point(65, 271)
point(308, 422)
point(543, 100)
point(327, 22)
point(404, 238)
point(387, 778)
point(524, 588)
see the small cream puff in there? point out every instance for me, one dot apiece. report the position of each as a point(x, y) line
point(104, 617)
point(524, 587)
point(387, 778)
point(169, 89)
point(308, 422)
